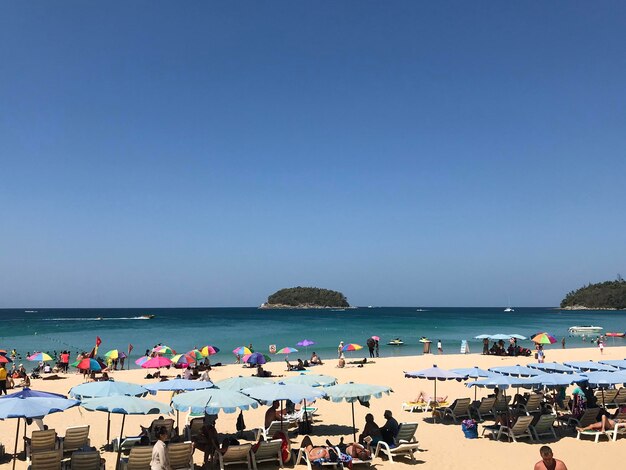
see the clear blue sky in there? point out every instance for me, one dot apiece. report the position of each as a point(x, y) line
point(406, 153)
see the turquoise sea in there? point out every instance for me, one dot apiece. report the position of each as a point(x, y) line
point(184, 328)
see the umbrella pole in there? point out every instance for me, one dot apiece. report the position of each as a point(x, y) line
point(353, 424)
point(177, 413)
point(17, 436)
point(119, 447)
point(475, 391)
point(108, 427)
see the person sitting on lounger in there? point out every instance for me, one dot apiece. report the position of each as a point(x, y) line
point(390, 429)
point(423, 398)
point(323, 454)
point(370, 430)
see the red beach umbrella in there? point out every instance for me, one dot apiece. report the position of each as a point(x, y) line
point(156, 363)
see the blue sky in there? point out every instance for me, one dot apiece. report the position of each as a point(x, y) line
point(406, 153)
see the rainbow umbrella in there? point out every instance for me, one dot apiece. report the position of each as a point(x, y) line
point(115, 354)
point(164, 350)
point(209, 350)
point(156, 362)
point(256, 358)
point(544, 338)
point(89, 363)
point(142, 360)
point(40, 356)
point(286, 350)
point(352, 347)
point(196, 354)
point(4, 360)
point(241, 350)
point(183, 359)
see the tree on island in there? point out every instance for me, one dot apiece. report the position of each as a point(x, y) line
point(308, 297)
point(609, 294)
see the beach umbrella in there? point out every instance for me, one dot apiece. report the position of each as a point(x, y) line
point(590, 366)
point(183, 360)
point(4, 359)
point(107, 388)
point(619, 363)
point(504, 381)
point(156, 363)
point(558, 380)
point(196, 354)
point(90, 364)
point(213, 400)
point(142, 360)
point(474, 373)
point(29, 403)
point(543, 338)
point(352, 392)
point(483, 336)
point(256, 358)
point(605, 379)
point(177, 386)
point(352, 347)
point(500, 336)
point(162, 349)
point(286, 350)
point(40, 356)
point(283, 391)
point(435, 373)
point(305, 343)
point(311, 380)
point(551, 367)
point(125, 405)
point(112, 354)
point(237, 384)
point(516, 336)
point(209, 350)
point(517, 370)
point(376, 338)
point(241, 350)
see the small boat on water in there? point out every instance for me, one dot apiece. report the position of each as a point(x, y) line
point(585, 329)
point(615, 335)
point(147, 317)
point(396, 342)
point(509, 309)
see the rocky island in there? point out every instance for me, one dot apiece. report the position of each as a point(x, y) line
point(306, 297)
point(609, 295)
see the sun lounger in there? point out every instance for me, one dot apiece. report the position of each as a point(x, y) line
point(620, 428)
point(458, 409)
point(46, 460)
point(41, 441)
point(273, 428)
point(127, 444)
point(620, 398)
point(235, 455)
point(609, 397)
point(268, 451)
point(544, 427)
point(484, 408)
point(519, 430)
point(532, 405)
point(139, 458)
point(86, 461)
point(167, 423)
point(405, 443)
point(76, 437)
point(194, 429)
point(502, 404)
point(180, 455)
point(589, 417)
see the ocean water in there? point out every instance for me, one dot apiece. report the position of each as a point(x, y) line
point(185, 328)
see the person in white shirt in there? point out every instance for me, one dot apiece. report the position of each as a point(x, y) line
point(160, 459)
point(187, 374)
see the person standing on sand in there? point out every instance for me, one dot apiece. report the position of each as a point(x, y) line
point(439, 347)
point(548, 462)
point(3, 379)
point(563, 342)
point(339, 349)
point(377, 346)
point(601, 346)
point(160, 459)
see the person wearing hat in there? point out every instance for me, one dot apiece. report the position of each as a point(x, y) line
point(340, 349)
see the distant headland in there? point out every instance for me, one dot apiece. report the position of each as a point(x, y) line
point(609, 295)
point(306, 297)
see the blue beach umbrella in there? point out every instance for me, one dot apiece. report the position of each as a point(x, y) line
point(435, 373)
point(311, 380)
point(282, 391)
point(500, 336)
point(177, 386)
point(237, 384)
point(604, 380)
point(516, 336)
point(503, 382)
point(352, 392)
point(107, 388)
point(474, 373)
point(516, 370)
point(551, 367)
point(213, 400)
point(558, 380)
point(483, 336)
point(619, 363)
point(590, 366)
point(125, 405)
point(29, 403)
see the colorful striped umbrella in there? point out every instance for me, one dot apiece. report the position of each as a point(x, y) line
point(286, 350)
point(352, 347)
point(40, 356)
point(544, 338)
point(142, 360)
point(156, 362)
point(305, 343)
point(164, 350)
point(241, 350)
point(209, 350)
point(4, 360)
point(183, 359)
point(196, 354)
point(256, 358)
point(115, 354)
point(89, 363)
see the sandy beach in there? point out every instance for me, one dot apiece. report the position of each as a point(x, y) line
point(443, 445)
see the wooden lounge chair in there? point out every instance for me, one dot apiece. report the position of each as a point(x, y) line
point(484, 408)
point(46, 460)
point(544, 427)
point(87, 461)
point(588, 417)
point(41, 441)
point(273, 428)
point(609, 397)
point(405, 443)
point(167, 423)
point(139, 458)
point(194, 429)
point(235, 455)
point(519, 430)
point(458, 409)
point(620, 398)
point(532, 405)
point(180, 455)
point(76, 437)
point(268, 451)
